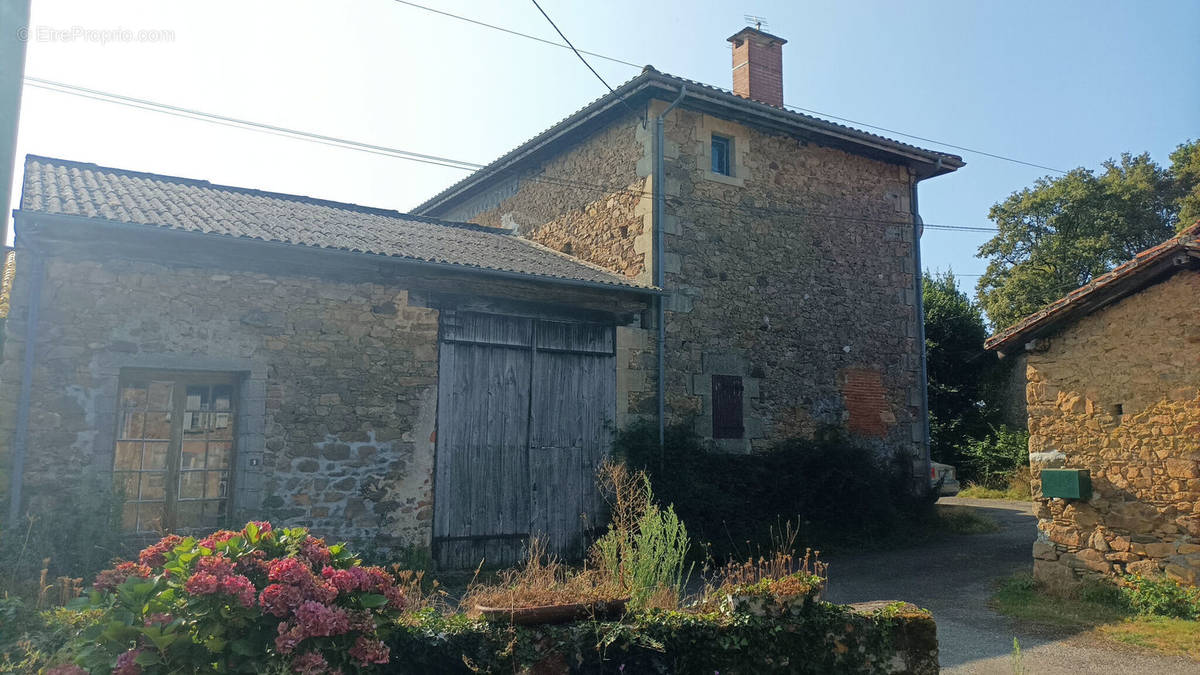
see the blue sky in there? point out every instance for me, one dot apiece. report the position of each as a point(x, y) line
point(1062, 84)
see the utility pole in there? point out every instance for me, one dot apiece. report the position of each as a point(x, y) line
point(14, 36)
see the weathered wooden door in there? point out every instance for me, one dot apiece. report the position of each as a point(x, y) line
point(525, 410)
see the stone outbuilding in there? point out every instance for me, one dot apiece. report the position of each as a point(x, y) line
point(449, 378)
point(1113, 390)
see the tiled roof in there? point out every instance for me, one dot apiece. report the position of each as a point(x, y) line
point(1122, 280)
point(67, 188)
point(650, 78)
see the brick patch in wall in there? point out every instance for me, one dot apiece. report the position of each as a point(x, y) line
point(866, 401)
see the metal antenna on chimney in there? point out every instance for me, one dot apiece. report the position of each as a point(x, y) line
point(758, 21)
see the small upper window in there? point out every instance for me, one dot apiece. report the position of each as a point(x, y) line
point(722, 148)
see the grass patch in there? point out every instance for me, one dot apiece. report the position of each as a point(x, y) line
point(1017, 490)
point(1096, 609)
point(1179, 637)
point(964, 520)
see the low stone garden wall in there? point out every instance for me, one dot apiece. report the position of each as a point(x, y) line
point(752, 638)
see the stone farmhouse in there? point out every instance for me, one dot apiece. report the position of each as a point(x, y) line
point(450, 377)
point(1113, 390)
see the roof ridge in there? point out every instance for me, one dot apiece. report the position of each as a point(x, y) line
point(285, 196)
point(1186, 239)
point(650, 75)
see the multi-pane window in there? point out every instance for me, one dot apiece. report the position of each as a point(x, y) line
point(727, 406)
point(174, 451)
point(722, 148)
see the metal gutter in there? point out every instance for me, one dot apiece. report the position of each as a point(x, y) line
point(35, 218)
point(20, 437)
point(919, 288)
point(660, 200)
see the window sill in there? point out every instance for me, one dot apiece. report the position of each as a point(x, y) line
point(736, 181)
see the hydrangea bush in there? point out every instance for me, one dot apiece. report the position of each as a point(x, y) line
point(245, 601)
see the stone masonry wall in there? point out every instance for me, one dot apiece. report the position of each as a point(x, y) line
point(1118, 393)
point(343, 374)
point(795, 273)
point(349, 395)
point(588, 202)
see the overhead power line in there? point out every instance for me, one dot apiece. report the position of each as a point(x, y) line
point(502, 29)
point(585, 61)
point(810, 111)
point(398, 153)
point(564, 37)
point(189, 113)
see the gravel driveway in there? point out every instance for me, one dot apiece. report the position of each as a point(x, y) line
point(954, 579)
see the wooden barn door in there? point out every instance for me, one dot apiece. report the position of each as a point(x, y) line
point(525, 408)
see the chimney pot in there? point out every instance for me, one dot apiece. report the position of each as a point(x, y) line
point(758, 66)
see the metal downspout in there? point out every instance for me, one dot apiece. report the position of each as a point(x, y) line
point(919, 288)
point(33, 303)
point(659, 254)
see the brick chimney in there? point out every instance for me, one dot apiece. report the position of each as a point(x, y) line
point(758, 66)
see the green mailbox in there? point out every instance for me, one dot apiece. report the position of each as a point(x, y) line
point(1067, 483)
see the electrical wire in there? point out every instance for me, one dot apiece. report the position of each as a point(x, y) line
point(560, 181)
point(517, 33)
point(792, 107)
point(189, 113)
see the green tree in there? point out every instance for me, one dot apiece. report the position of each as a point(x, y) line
point(1185, 172)
point(1063, 232)
point(958, 367)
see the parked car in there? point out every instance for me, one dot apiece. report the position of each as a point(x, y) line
point(943, 479)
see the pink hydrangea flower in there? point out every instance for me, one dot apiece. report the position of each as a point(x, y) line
point(288, 638)
point(279, 599)
point(317, 620)
point(157, 554)
point(127, 663)
point(315, 550)
point(291, 571)
point(263, 527)
point(217, 565)
point(239, 587)
point(344, 580)
point(202, 583)
point(367, 651)
point(310, 663)
point(110, 579)
point(217, 537)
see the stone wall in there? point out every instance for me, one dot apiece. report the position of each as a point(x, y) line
point(337, 414)
point(589, 202)
point(1118, 393)
point(795, 273)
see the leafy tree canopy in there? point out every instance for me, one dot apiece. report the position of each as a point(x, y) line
point(1062, 232)
point(958, 368)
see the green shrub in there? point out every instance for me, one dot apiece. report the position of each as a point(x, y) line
point(36, 543)
point(646, 546)
point(837, 490)
point(811, 638)
point(1161, 597)
point(239, 602)
point(995, 459)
